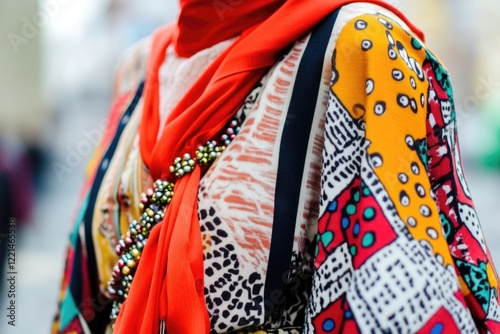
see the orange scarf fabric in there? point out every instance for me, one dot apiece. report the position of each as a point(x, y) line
point(169, 283)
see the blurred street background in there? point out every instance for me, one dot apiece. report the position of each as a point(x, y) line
point(57, 61)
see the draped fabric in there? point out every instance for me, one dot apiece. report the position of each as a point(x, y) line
point(198, 117)
point(399, 247)
point(353, 218)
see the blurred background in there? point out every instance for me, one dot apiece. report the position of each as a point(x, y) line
point(57, 61)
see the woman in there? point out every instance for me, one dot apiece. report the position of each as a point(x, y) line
point(300, 172)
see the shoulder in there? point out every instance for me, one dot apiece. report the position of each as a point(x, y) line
point(370, 38)
point(373, 41)
point(381, 67)
point(381, 17)
point(361, 24)
point(131, 66)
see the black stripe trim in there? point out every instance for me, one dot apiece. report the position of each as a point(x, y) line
point(101, 319)
point(293, 151)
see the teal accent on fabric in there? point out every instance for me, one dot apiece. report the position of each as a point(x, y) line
point(353, 250)
point(422, 152)
point(69, 310)
point(368, 240)
point(416, 44)
point(443, 79)
point(73, 237)
point(446, 224)
point(366, 191)
point(316, 248)
point(369, 213)
point(356, 195)
point(476, 278)
point(327, 238)
point(351, 209)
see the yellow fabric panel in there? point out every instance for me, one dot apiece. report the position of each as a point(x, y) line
point(378, 82)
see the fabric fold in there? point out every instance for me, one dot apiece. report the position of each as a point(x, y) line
point(173, 290)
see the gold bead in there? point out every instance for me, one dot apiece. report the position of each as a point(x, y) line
point(125, 270)
point(135, 253)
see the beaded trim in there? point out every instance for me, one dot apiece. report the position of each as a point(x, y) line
point(153, 205)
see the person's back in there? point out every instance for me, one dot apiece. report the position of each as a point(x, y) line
point(329, 197)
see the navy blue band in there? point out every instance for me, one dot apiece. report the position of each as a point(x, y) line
point(101, 319)
point(293, 151)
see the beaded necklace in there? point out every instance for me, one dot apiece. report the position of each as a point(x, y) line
point(153, 205)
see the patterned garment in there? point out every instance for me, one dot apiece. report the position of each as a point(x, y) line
point(341, 206)
point(84, 305)
point(399, 247)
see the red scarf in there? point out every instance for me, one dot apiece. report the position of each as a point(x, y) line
point(169, 283)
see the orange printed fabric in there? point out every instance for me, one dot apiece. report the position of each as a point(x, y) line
point(399, 245)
